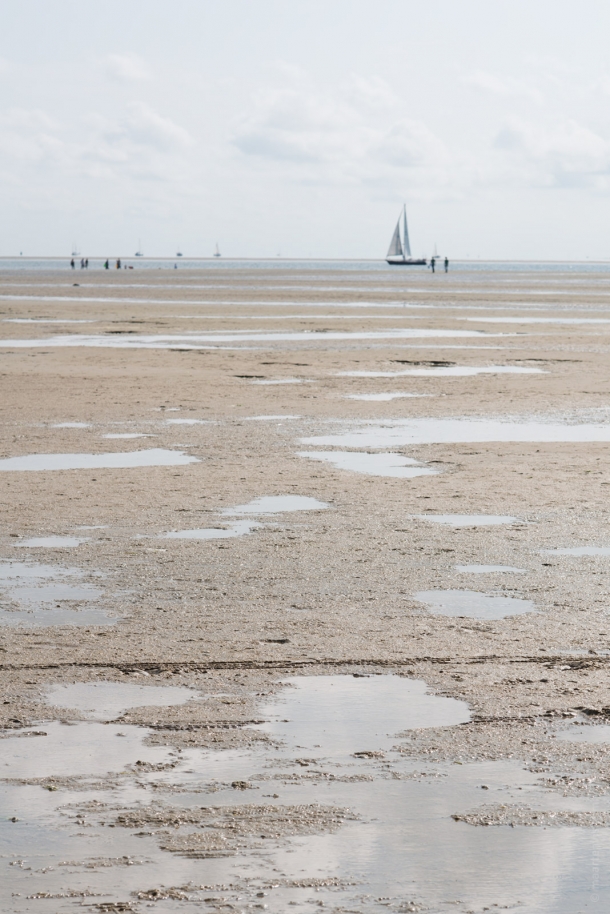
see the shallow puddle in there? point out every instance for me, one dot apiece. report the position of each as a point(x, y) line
point(266, 418)
point(450, 371)
point(44, 320)
point(402, 432)
point(472, 604)
point(278, 504)
point(271, 381)
point(468, 520)
point(372, 464)
point(52, 542)
point(72, 425)
point(107, 700)
point(579, 550)
point(126, 435)
point(237, 528)
point(266, 505)
point(586, 733)
point(35, 596)
point(187, 421)
point(195, 340)
point(154, 457)
point(234, 823)
point(380, 398)
point(489, 569)
point(72, 749)
point(340, 715)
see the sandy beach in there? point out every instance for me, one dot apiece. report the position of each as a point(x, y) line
point(303, 480)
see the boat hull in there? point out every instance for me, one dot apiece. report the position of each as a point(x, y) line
point(409, 262)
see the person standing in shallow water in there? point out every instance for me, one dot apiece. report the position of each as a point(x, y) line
point(446, 264)
point(118, 264)
point(433, 264)
point(106, 264)
point(72, 263)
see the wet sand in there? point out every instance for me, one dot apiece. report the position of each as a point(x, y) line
point(250, 380)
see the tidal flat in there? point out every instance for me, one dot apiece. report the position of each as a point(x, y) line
point(196, 718)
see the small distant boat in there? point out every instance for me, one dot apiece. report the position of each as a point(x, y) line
point(75, 250)
point(399, 252)
point(217, 251)
point(178, 253)
point(139, 251)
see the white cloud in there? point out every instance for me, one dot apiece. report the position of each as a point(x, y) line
point(126, 68)
point(355, 132)
point(564, 153)
point(140, 144)
point(503, 86)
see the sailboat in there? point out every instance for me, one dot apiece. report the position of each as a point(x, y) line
point(399, 252)
point(139, 251)
point(217, 251)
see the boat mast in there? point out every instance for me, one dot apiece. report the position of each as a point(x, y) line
point(406, 246)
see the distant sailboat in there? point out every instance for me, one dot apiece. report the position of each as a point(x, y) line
point(217, 251)
point(178, 253)
point(75, 250)
point(139, 251)
point(399, 252)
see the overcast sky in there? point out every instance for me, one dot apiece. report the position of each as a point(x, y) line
point(300, 126)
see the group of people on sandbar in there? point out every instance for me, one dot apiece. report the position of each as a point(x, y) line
point(84, 264)
point(433, 264)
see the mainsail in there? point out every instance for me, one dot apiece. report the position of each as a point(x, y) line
point(395, 249)
point(407, 246)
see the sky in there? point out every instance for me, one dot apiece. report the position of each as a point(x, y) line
point(300, 127)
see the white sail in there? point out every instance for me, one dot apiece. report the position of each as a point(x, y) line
point(395, 249)
point(407, 246)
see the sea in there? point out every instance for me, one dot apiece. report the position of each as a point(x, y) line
point(219, 265)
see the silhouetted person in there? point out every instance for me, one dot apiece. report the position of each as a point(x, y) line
point(433, 264)
point(82, 263)
point(72, 263)
point(86, 263)
point(118, 264)
point(446, 264)
point(106, 264)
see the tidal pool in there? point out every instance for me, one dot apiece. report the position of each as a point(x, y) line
point(278, 504)
point(578, 550)
point(380, 398)
point(52, 542)
point(472, 604)
point(489, 569)
point(107, 700)
point(237, 528)
point(154, 457)
point(331, 716)
point(194, 340)
point(468, 520)
point(391, 842)
point(271, 381)
point(266, 418)
point(449, 371)
point(403, 432)
point(266, 505)
point(72, 425)
point(372, 464)
point(187, 421)
point(73, 749)
point(45, 595)
point(586, 733)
